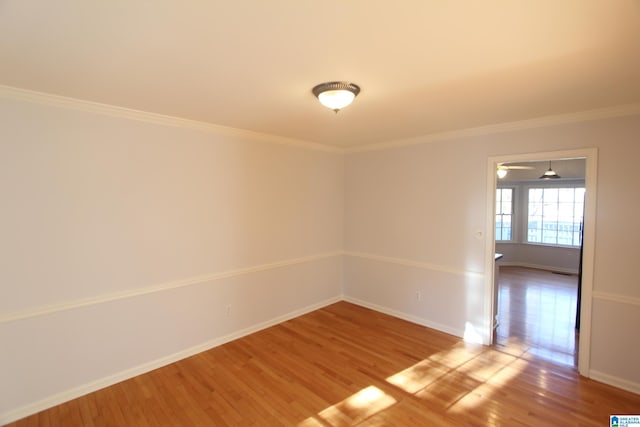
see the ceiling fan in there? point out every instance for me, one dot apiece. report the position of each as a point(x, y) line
point(504, 168)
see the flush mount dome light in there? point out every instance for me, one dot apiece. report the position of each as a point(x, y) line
point(336, 95)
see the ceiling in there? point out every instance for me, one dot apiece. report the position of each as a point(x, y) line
point(424, 66)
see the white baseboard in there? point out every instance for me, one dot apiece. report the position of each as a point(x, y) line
point(408, 317)
point(538, 267)
point(65, 396)
point(76, 392)
point(594, 375)
point(615, 381)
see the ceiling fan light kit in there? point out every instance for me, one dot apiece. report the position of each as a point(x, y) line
point(336, 95)
point(503, 169)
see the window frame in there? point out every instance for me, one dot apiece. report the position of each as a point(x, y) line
point(525, 218)
point(512, 214)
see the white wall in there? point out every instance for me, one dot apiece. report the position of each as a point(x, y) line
point(124, 243)
point(559, 259)
point(126, 237)
point(412, 220)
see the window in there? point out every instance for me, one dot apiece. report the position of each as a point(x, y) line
point(504, 214)
point(555, 216)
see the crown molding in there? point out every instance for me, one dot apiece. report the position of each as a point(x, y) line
point(165, 120)
point(154, 118)
point(545, 121)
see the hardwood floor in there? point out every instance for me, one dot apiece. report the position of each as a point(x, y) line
point(345, 365)
point(537, 309)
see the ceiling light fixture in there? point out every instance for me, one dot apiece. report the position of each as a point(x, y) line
point(502, 172)
point(550, 173)
point(336, 95)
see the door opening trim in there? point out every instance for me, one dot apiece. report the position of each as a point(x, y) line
point(590, 155)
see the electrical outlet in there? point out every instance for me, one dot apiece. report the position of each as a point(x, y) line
point(418, 296)
point(229, 310)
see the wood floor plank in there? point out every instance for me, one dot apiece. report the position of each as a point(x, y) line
point(347, 365)
point(537, 309)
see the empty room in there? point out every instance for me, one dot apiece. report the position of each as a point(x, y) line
point(290, 213)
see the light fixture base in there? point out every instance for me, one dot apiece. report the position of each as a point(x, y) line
point(336, 95)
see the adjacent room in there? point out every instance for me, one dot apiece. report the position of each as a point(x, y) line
point(290, 213)
point(539, 235)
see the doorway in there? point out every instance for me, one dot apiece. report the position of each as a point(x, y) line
point(586, 257)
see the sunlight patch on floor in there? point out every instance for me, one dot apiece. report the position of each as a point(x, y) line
point(449, 375)
point(462, 378)
point(458, 355)
point(352, 410)
point(311, 422)
point(486, 365)
point(500, 372)
point(418, 376)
